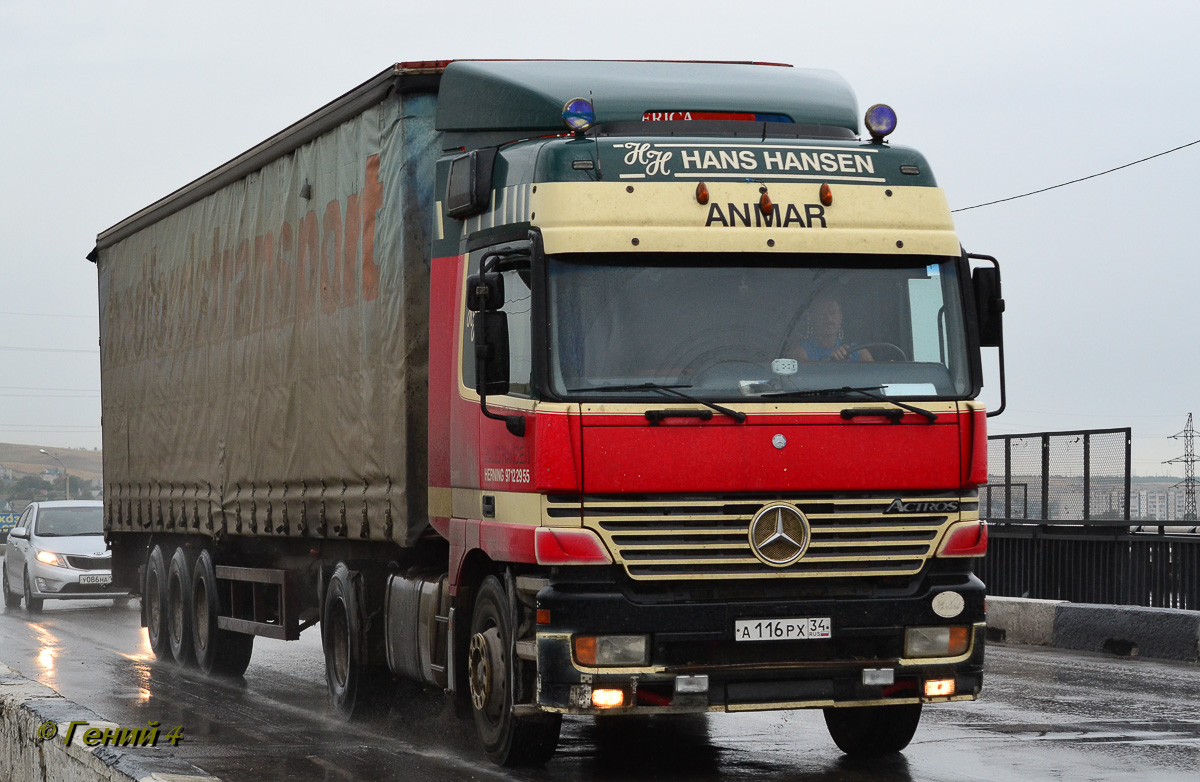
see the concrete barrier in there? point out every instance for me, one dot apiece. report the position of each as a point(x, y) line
point(34, 724)
point(1129, 630)
point(1165, 633)
point(1021, 621)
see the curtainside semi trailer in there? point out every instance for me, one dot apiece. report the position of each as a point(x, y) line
point(570, 388)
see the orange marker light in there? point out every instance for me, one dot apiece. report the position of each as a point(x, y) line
point(702, 194)
point(765, 202)
point(826, 195)
point(543, 616)
point(585, 649)
point(608, 699)
point(959, 638)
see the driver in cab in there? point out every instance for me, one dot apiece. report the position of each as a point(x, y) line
point(824, 340)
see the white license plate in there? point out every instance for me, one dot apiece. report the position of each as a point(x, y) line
point(782, 629)
point(101, 580)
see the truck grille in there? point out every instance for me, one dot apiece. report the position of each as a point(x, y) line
point(708, 538)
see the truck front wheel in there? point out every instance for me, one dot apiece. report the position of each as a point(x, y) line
point(508, 739)
point(871, 731)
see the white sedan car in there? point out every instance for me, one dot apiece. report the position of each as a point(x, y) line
point(57, 551)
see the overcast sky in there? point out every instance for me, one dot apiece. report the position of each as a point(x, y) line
point(108, 106)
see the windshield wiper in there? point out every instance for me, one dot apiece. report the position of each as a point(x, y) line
point(670, 389)
point(867, 391)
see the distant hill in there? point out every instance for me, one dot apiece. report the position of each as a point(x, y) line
point(28, 459)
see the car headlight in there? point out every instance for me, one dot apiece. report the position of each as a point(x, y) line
point(50, 558)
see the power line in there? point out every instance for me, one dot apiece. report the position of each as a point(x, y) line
point(38, 388)
point(53, 396)
point(1081, 179)
point(47, 350)
point(46, 315)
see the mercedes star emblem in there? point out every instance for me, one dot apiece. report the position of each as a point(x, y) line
point(779, 534)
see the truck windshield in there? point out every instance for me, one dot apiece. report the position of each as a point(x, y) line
point(761, 328)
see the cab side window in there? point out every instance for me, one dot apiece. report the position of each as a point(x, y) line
point(518, 300)
point(517, 304)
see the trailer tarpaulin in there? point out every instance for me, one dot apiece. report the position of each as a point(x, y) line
point(265, 349)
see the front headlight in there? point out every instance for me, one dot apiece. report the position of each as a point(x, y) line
point(615, 650)
point(50, 558)
point(936, 641)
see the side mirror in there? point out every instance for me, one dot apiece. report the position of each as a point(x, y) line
point(491, 353)
point(469, 184)
point(21, 533)
point(989, 306)
point(485, 292)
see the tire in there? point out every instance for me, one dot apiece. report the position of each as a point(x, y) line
point(871, 731)
point(154, 604)
point(355, 687)
point(179, 608)
point(11, 599)
point(32, 604)
point(509, 740)
point(218, 652)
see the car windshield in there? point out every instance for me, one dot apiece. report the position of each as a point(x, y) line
point(762, 326)
point(65, 522)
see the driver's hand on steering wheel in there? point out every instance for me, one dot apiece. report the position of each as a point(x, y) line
point(840, 353)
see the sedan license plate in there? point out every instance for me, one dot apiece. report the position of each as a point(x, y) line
point(782, 629)
point(104, 580)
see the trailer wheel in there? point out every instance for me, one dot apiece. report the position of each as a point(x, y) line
point(11, 599)
point(218, 652)
point(871, 731)
point(179, 608)
point(355, 686)
point(508, 739)
point(154, 604)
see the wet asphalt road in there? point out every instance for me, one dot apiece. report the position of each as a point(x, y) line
point(1045, 715)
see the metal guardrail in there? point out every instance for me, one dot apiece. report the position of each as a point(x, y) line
point(1101, 561)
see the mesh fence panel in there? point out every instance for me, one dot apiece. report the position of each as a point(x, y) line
point(1059, 476)
point(1108, 490)
point(1064, 489)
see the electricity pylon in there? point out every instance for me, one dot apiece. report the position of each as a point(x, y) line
point(1189, 469)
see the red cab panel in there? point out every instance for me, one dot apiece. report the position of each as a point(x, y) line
point(628, 454)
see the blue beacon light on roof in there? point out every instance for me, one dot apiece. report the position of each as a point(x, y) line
point(880, 121)
point(579, 115)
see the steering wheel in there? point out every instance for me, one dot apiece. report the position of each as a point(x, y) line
point(894, 348)
point(709, 360)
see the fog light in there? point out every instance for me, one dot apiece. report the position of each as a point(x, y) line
point(48, 585)
point(878, 676)
point(939, 688)
point(690, 685)
point(936, 641)
point(596, 650)
point(608, 699)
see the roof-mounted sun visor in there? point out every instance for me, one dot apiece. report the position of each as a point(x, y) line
point(493, 96)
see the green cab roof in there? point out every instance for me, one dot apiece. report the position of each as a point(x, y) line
point(479, 95)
